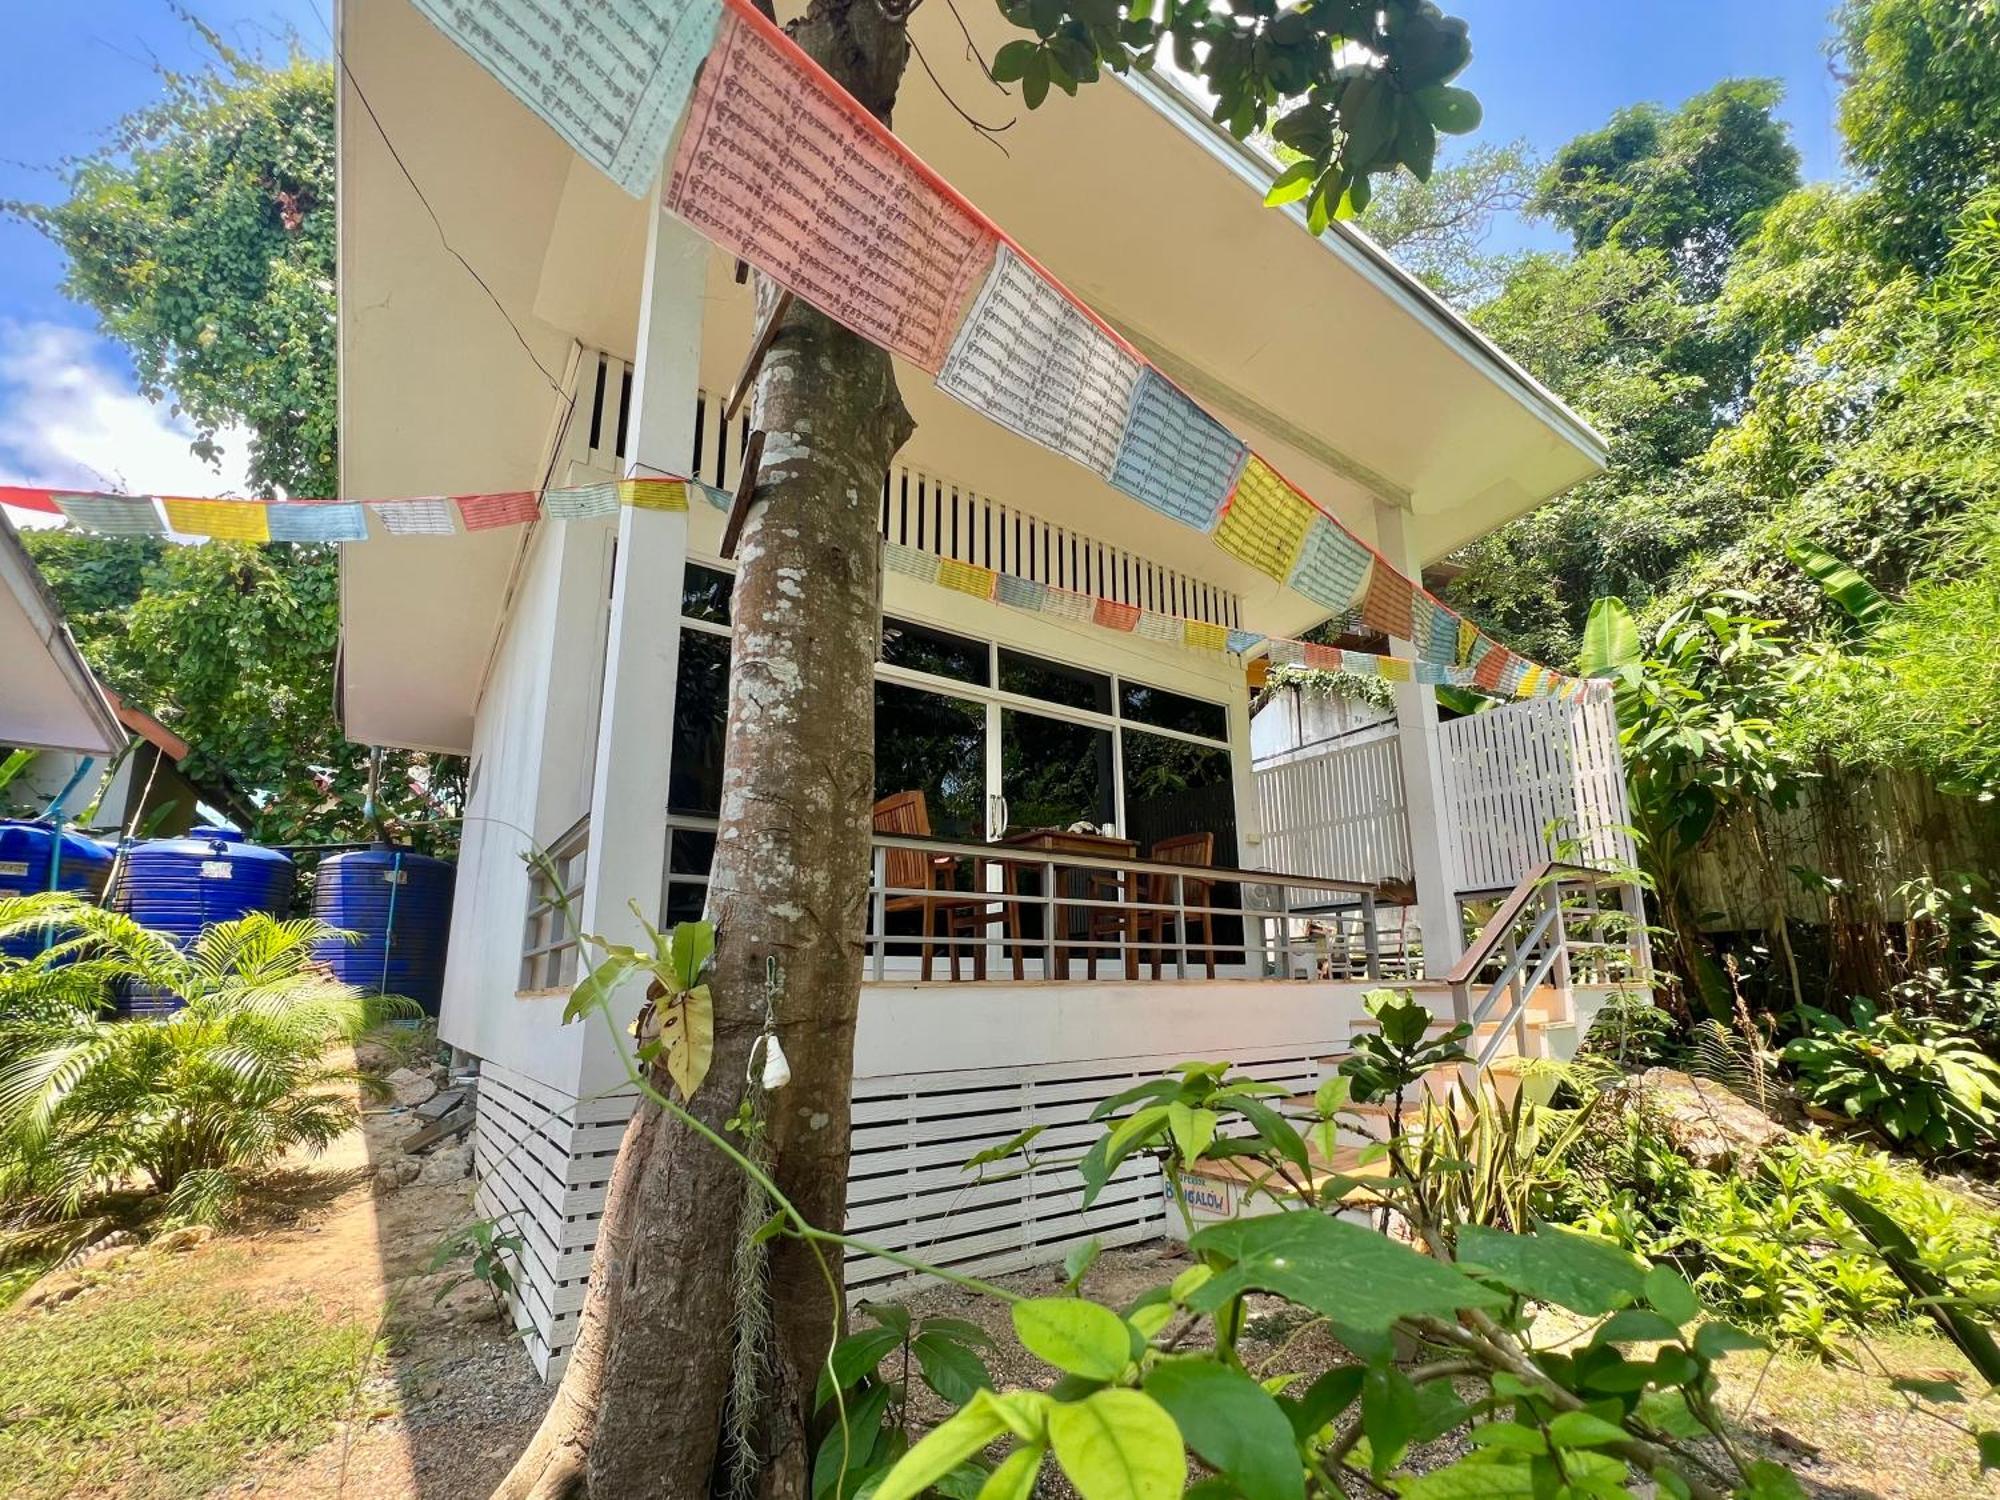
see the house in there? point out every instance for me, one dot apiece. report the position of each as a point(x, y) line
point(50, 701)
point(581, 664)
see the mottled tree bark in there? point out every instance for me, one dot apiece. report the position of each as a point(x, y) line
point(644, 1403)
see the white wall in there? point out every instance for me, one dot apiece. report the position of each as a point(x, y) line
point(533, 737)
point(1294, 722)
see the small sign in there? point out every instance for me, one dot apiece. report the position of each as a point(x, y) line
point(395, 877)
point(216, 869)
point(13, 867)
point(1206, 1195)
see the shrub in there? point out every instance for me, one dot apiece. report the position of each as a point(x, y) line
point(1918, 1080)
point(185, 1103)
point(1772, 1248)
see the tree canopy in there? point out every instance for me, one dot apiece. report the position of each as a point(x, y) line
point(203, 236)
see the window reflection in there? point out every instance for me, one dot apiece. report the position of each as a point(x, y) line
point(929, 743)
point(1053, 682)
point(1054, 773)
point(937, 652)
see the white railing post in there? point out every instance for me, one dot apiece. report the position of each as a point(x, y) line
point(879, 904)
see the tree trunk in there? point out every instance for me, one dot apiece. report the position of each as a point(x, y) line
point(645, 1407)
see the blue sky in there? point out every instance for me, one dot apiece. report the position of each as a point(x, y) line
point(1545, 70)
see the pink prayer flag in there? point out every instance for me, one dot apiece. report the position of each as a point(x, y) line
point(780, 166)
point(506, 508)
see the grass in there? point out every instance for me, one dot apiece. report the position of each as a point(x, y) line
point(1867, 1434)
point(166, 1380)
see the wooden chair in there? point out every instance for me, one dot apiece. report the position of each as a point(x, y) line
point(950, 913)
point(1158, 890)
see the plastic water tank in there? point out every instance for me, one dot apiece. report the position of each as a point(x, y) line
point(399, 903)
point(42, 857)
point(180, 886)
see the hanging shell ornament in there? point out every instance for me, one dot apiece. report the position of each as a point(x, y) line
point(777, 1071)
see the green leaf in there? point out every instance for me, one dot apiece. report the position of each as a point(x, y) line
point(1236, 1426)
point(1074, 1335)
point(1119, 1445)
point(1454, 111)
point(853, 1357)
point(1080, 1259)
point(690, 948)
point(966, 1482)
point(1349, 1273)
point(1292, 184)
point(1635, 1325)
point(1015, 1477)
point(843, 1456)
point(944, 1448)
point(596, 987)
point(1012, 1146)
point(1713, 1340)
point(1192, 1129)
point(1579, 1429)
point(1389, 1414)
point(949, 1368)
point(1610, 638)
point(1670, 1295)
point(1332, 1096)
point(1560, 1266)
point(1010, 63)
point(1325, 1399)
point(1769, 1481)
point(1486, 1475)
point(1840, 582)
point(1989, 1451)
point(1511, 1436)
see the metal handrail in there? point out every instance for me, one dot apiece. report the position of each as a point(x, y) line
point(1003, 853)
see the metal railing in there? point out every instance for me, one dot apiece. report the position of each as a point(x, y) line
point(997, 911)
point(1553, 928)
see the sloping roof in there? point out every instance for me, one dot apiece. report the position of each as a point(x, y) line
point(49, 699)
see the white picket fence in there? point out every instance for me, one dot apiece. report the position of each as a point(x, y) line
point(1524, 782)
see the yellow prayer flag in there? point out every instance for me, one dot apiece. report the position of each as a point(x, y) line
point(966, 578)
point(1266, 522)
point(1203, 636)
point(227, 520)
point(1393, 668)
point(653, 494)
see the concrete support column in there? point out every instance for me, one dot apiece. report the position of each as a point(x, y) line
point(1433, 854)
point(642, 650)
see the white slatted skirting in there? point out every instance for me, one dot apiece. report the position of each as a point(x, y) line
point(908, 1190)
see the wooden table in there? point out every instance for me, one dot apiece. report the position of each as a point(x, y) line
point(1062, 841)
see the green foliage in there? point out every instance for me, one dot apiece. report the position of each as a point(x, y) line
point(1693, 182)
point(1437, 227)
point(1917, 1080)
point(229, 1083)
point(1353, 89)
point(1772, 1246)
point(1922, 91)
point(676, 1027)
point(870, 1413)
point(1400, 1052)
point(1142, 1391)
point(205, 241)
point(487, 1249)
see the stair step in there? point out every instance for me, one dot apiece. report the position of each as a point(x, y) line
point(1345, 1162)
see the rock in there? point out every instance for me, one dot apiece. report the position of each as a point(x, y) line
point(185, 1238)
point(1712, 1127)
point(52, 1290)
point(446, 1166)
point(395, 1171)
point(410, 1086)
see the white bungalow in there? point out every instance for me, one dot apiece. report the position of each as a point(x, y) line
point(581, 664)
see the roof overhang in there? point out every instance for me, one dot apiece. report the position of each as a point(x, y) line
point(1350, 376)
point(49, 699)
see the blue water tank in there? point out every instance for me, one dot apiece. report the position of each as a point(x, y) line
point(180, 886)
point(399, 903)
point(42, 857)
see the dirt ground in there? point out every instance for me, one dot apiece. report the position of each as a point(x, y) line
point(450, 1397)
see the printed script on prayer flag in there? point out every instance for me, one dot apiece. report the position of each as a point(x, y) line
point(609, 76)
point(785, 170)
point(1033, 361)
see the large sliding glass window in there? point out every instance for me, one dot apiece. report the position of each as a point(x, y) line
point(930, 743)
point(997, 740)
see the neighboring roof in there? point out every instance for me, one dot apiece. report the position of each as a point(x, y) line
point(148, 728)
point(49, 699)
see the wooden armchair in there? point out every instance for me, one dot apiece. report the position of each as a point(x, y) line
point(1195, 891)
point(925, 882)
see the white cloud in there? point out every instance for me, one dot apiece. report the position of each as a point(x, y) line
point(68, 419)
